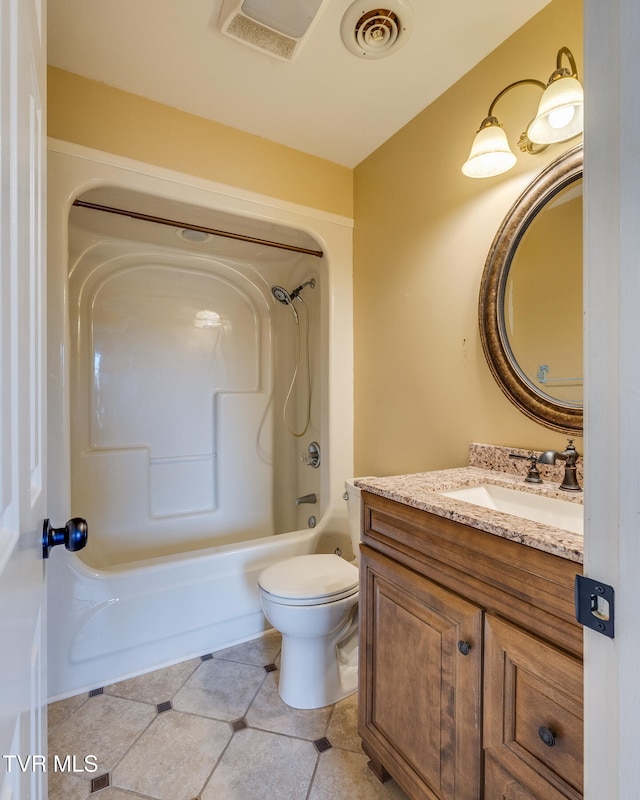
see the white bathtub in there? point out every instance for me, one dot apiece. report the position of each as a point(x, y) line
point(112, 624)
point(123, 606)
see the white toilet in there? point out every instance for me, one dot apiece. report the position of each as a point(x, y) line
point(313, 601)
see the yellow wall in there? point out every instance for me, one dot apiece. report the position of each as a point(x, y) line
point(422, 234)
point(96, 115)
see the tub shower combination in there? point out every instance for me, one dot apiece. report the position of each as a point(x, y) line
point(198, 420)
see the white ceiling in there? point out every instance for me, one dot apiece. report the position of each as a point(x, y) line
point(326, 102)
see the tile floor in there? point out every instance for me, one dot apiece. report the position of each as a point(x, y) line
point(209, 729)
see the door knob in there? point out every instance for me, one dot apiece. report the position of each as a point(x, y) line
point(73, 536)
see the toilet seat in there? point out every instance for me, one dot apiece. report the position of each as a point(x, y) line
point(310, 580)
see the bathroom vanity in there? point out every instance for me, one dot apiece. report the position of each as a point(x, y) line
point(470, 654)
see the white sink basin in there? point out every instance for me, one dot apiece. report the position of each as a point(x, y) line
point(535, 507)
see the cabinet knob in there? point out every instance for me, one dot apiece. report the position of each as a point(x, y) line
point(464, 647)
point(547, 736)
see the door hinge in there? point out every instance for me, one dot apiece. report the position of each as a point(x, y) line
point(595, 605)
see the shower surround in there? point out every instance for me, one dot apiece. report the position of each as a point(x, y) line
point(170, 366)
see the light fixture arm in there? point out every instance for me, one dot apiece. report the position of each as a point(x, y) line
point(523, 143)
point(564, 51)
point(512, 86)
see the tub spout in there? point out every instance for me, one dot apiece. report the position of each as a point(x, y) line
point(306, 498)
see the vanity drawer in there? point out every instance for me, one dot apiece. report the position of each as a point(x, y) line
point(533, 725)
point(532, 588)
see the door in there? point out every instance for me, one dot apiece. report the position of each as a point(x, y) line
point(612, 401)
point(22, 402)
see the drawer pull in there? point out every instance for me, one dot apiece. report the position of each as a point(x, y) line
point(464, 647)
point(547, 736)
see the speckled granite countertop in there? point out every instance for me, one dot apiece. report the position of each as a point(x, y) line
point(422, 490)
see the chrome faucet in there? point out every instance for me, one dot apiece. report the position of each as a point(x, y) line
point(569, 456)
point(306, 498)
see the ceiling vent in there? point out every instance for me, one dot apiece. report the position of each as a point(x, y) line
point(376, 32)
point(276, 27)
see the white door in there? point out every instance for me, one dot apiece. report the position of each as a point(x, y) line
point(612, 430)
point(22, 402)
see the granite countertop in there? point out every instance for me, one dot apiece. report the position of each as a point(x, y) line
point(422, 490)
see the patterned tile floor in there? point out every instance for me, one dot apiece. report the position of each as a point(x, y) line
point(209, 729)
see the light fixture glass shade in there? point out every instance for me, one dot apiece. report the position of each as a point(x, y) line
point(560, 113)
point(490, 152)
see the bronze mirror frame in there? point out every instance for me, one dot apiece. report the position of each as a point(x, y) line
point(551, 413)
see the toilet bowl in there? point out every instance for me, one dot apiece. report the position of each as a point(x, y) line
point(312, 601)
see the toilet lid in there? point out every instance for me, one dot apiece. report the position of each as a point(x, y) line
point(310, 577)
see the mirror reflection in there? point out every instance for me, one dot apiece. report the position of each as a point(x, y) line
point(530, 307)
point(543, 298)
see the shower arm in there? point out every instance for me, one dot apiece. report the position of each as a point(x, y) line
point(311, 282)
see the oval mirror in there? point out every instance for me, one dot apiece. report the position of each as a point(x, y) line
point(530, 309)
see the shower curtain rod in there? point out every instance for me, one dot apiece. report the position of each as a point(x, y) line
point(189, 226)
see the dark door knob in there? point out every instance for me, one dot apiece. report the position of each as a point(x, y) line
point(464, 647)
point(73, 536)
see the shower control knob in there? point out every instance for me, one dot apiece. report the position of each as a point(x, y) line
point(73, 535)
point(312, 456)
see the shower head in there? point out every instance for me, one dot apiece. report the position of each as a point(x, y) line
point(283, 296)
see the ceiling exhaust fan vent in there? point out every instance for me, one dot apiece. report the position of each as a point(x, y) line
point(275, 27)
point(376, 32)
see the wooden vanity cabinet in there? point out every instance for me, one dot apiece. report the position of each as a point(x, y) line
point(470, 661)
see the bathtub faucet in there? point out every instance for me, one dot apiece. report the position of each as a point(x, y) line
point(306, 498)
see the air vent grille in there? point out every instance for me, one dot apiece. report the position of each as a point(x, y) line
point(377, 29)
point(261, 37)
point(376, 32)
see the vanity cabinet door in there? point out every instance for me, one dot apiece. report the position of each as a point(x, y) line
point(420, 682)
point(533, 724)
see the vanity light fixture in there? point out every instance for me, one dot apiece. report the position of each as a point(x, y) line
point(560, 113)
point(559, 118)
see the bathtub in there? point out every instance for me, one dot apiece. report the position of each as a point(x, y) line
point(177, 539)
point(110, 624)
